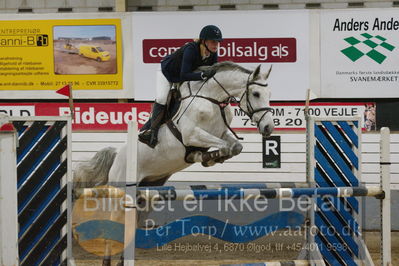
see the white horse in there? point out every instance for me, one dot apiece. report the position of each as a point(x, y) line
point(201, 124)
point(202, 121)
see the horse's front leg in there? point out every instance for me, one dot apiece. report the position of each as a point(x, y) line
point(235, 148)
point(234, 145)
point(200, 138)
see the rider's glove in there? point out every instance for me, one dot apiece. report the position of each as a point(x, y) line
point(207, 74)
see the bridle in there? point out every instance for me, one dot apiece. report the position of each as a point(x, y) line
point(231, 99)
point(250, 110)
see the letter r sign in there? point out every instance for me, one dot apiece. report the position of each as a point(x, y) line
point(271, 152)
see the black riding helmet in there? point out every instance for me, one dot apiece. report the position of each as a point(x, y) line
point(211, 32)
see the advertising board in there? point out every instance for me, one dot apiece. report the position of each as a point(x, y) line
point(114, 116)
point(250, 38)
point(360, 53)
point(41, 54)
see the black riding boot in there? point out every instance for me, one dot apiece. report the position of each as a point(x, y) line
point(150, 137)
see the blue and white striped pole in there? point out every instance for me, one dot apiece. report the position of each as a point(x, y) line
point(222, 194)
point(172, 193)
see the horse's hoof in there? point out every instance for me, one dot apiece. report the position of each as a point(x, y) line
point(236, 149)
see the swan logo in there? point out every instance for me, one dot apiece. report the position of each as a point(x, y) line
point(374, 47)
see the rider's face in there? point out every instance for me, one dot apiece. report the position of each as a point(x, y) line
point(212, 45)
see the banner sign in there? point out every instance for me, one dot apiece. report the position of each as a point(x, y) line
point(284, 45)
point(290, 116)
point(359, 53)
point(114, 116)
point(244, 50)
point(40, 55)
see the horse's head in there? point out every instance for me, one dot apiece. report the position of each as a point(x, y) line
point(256, 101)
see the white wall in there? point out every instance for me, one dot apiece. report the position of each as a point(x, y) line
point(201, 5)
point(247, 167)
point(50, 6)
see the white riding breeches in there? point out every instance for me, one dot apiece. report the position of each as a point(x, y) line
point(163, 87)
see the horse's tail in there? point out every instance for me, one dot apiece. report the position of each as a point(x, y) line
point(94, 172)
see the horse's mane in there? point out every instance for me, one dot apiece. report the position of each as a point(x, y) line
point(226, 66)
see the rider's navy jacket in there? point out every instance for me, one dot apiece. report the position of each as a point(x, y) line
point(179, 66)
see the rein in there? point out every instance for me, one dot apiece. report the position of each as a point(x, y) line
point(193, 97)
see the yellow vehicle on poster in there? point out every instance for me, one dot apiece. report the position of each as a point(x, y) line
point(94, 52)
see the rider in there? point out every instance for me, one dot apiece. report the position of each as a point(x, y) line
point(179, 67)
